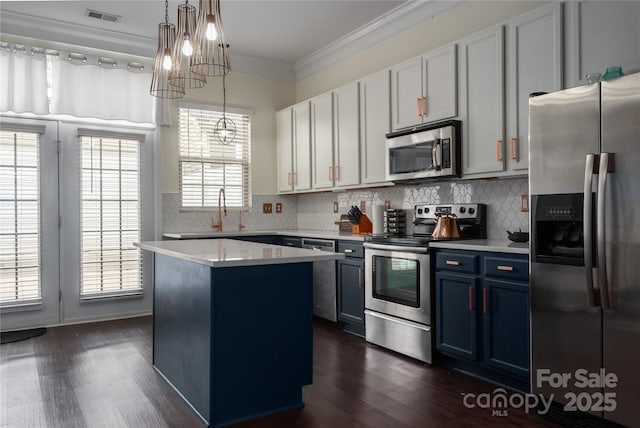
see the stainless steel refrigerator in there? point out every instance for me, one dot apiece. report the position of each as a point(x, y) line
point(584, 182)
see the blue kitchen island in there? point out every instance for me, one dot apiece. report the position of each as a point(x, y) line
point(233, 325)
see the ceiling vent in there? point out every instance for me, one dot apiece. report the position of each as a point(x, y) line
point(102, 15)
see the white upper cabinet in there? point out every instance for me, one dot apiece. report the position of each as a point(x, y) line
point(346, 143)
point(284, 120)
point(601, 34)
point(322, 170)
point(482, 102)
point(375, 123)
point(301, 146)
point(534, 64)
point(423, 89)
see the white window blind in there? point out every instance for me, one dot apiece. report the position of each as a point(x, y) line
point(19, 218)
point(110, 216)
point(206, 165)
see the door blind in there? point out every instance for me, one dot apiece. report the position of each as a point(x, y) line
point(206, 165)
point(19, 218)
point(110, 216)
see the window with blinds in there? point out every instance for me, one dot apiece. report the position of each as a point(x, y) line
point(206, 165)
point(110, 216)
point(19, 218)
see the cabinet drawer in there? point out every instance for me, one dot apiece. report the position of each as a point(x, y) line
point(511, 268)
point(351, 249)
point(455, 262)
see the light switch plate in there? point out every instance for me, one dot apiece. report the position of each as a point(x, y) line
point(278, 207)
point(524, 203)
point(387, 204)
point(267, 208)
point(363, 206)
point(335, 206)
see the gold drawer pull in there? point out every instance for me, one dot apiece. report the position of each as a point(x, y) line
point(507, 268)
point(348, 250)
point(453, 263)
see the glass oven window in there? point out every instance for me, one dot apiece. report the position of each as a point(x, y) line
point(396, 280)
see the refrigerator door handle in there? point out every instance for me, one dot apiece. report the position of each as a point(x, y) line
point(590, 163)
point(606, 166)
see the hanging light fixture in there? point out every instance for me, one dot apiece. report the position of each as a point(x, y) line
point(212, 57)
point(186, 46)
point(225, 128)
point(160, 86)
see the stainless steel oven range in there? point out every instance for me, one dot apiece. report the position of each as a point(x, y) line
point(398, 291)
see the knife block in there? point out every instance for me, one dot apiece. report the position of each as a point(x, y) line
point(364, 226)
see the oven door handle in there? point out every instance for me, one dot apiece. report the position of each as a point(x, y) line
point(406, 249)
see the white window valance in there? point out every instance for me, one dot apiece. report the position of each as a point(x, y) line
point(23, 82)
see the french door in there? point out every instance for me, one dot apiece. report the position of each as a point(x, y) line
point(73, 198)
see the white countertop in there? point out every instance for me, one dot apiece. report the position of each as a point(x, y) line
point(495, 245)
point(322, 234)
point(231, 253)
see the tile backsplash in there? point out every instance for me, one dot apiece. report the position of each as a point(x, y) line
point(502, 197)
point(315, 210)
point(174, 220)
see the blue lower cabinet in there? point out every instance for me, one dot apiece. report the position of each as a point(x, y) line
point(351, 292)
point(482, 320)
point(505, 320)
point(456, 331)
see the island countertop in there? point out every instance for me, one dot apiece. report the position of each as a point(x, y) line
point(231, 253)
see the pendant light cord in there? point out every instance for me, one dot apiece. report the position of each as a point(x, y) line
point(166, 11)
point(224, 97)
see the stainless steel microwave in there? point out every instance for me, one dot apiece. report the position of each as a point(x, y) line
point(426, 151)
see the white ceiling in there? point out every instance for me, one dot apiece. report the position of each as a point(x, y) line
point(283, 31)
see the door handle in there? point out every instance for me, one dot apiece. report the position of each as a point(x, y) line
point(453, 262)
point(359, 277)
point(336, 172)
point(514, 155)
point(470, 298)
point(437, 155)
point(424, 106)
point(418, 107)
point(484, 300)
point(499, 150)
point(330, 173)
point(505, 268)
point(289, 179)
point(587, 225)
point(606, 166)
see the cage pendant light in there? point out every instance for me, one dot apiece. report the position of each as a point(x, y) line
point(160, 86)
point(225, 128)
point(212, 59)
point(185, 47)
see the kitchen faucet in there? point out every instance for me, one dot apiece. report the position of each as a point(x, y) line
point(218, 225)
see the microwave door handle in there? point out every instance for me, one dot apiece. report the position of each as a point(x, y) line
point(436, 155)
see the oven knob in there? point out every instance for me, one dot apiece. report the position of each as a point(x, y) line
point(426, 210)
point(472, 211)
point(462, 210)
point(419, 210)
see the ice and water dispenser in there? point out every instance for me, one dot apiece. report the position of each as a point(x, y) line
point(558, 229)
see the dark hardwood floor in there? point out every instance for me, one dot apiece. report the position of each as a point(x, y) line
point(100, 375)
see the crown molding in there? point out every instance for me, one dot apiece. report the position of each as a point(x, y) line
point(392, 23)
point(57, 34)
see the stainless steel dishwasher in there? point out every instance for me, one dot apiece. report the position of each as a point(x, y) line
point(324, 280)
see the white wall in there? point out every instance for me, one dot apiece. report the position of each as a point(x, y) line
point(446, 28)
point(261, 95)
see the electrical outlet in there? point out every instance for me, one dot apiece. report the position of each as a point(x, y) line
point(278, 207)
point(363, 206)
point(335, 207)
point(387, 204)
point(524, 203)
point(267, 208)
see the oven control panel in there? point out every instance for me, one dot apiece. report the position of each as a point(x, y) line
point(462, 211)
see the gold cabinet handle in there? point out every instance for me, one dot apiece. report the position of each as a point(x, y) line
point(453, 263)
point(348, 250)
point(505, 268)
point(330, 173)
point(289, 179)
point(359, 277)
point(418, 108)
point(295, 178)
point(484, 300)
point(424, 106)
point(336, 172)
point(514, 155)
point(470, 298)
point(499, 150)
